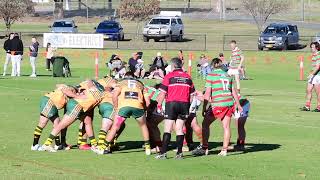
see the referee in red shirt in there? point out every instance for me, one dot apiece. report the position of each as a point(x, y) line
point(177, 88)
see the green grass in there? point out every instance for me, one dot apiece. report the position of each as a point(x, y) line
point(283, 142)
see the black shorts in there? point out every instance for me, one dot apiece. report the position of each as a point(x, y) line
point(177, 110)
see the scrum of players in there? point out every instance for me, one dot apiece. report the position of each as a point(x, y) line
point(118, 100)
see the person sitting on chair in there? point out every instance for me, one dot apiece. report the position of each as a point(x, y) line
point(158, 63)
point(114, 64)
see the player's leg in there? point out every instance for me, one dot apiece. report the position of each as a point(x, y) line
point(154, 131)
point(105, 126)
point(88, 118)
point(226, 133)
point(203, 149)
point(38, 131)
point(145, 133)
point(81, 140)
point(308, 97)
point(179, 137)
point(196, 129)
point(317, 89)
point(73, 111)
point(188, 131)
point(237, 79)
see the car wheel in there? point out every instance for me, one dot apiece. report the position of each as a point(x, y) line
point(285, 46)
point(260, 48)
point(180, 38)
point(145, 39)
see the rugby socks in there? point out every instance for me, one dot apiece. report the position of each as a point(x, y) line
point(49, 140)
point(36, 135)
point(147, 143)
point(102, 137)
point(93, 141)
point(165, 142)
point(63, 136)
point(57, 140)
point(179, 139)
point(81, 141)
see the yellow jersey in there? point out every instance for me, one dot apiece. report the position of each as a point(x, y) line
point(94, 97)
point(108, 83)
point(58, 98)
point(131, 94)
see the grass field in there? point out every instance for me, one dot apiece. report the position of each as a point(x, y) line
point(282, 141)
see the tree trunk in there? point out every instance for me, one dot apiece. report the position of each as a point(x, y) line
point(109, 4)
point(79, 4)
point(58, 10)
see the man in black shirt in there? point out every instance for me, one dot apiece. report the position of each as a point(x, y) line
point(16, 49)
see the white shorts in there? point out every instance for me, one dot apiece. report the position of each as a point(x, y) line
point(233, 72)
point(314, 80)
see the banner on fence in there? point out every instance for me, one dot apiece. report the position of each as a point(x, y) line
point(70, 40)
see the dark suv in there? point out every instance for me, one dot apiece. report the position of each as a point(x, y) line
point(279, 36)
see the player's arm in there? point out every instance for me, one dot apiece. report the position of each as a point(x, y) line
point(115, 95)
point(236, 99)
point(206, 99)
point(163, 91)
point(241, 61)
point(146, 97)
point(315, 70)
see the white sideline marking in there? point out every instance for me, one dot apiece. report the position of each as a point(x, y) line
point(288, 124)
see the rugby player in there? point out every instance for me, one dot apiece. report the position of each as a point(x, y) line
point(106, 110)
point(129, 100)
point(224, 98)
point(236, 63)
point(154, 118)
point(313, 78)
point(177, 88)
point(77, 105)
point(50, 103)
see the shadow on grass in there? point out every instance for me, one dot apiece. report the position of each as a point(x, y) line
point(257, 95)
point(250, 148)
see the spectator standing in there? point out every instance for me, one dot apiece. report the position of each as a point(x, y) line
point(6, 47)
point(34, 47)
point(49, 56)
point(16, 49)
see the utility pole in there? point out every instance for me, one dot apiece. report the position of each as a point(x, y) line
point(302, 10)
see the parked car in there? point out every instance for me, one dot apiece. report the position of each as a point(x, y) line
point(168, 25)
point(111, 29)
point(317, 38)
point(279, 36)
point(64, 26)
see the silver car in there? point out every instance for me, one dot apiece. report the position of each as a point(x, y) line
point(64, 26)
point(168, 25)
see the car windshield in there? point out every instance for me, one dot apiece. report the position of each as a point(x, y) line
point(108, 26)
point(160, 21)
point(62, 24)
point(275, 30)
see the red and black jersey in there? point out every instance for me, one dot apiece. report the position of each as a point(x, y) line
point(178, 86)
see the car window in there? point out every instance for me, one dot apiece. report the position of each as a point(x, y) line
point(160, 21)
point(62, 24)
point(293, 28)
point(173, 21)
point(179, 21)
point(108, 26)
point(275, 30)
